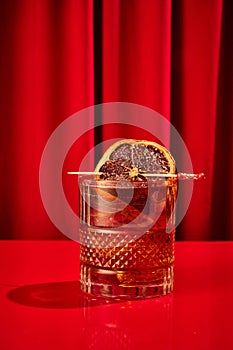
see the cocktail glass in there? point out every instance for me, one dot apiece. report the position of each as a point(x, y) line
point(127, 235)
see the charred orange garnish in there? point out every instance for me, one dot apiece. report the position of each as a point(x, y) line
point(130, 159)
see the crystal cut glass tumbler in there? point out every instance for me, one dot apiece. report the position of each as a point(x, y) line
point(127, 235)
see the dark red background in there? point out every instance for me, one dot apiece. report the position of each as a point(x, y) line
point(58, 57)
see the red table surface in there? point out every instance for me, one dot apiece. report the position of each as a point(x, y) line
point(42, 307)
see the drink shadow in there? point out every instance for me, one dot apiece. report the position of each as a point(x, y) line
point(103, 323)
point(56, 295)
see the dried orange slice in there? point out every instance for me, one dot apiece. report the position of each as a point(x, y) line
point(130, 159)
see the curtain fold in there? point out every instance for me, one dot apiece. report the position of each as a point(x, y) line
point(46, 76)
point(58, 57)
point(195, 73)
point(136, 58)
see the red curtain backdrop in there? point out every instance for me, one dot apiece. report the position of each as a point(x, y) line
point(58, 57)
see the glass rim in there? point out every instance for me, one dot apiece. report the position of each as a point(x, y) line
point(147, 176)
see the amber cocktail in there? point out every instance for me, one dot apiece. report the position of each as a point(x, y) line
point(127, 235)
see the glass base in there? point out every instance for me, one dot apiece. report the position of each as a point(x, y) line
point(126, 284)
